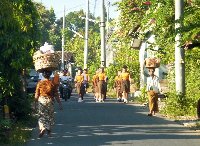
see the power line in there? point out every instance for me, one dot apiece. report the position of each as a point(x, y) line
point(94, 7)
point(58, 12)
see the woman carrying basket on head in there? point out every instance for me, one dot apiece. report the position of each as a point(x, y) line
point(44, 95)
point(153, 88)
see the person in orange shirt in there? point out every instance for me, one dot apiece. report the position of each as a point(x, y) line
point(95, 86)
point(79, 78)
point(125, 76)
point(117, 85)
point(86, 79)
point(44, 96)
point(101, 84)
point(56, 79)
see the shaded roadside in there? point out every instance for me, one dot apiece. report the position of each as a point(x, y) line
point(111, 123)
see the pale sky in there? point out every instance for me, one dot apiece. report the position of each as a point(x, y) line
point(75, 5)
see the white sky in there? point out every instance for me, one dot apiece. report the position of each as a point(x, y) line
point(75, 5)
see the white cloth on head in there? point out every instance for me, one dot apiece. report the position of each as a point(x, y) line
point(47, 48)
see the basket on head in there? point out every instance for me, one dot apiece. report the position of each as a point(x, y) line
point(152, 62)
point(49, 61)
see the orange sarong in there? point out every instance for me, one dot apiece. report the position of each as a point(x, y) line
point(153, 101)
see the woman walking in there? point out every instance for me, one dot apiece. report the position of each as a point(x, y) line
point(125, 83)
point(86, 80)
point(79, 85)
point(95, 86)
point(101, 84)
point(44, 95)
point(117, 85)
point(153, 88)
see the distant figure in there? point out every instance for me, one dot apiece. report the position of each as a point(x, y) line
point(106, 84)
point(86, 79)
point(65, 77)
point(56, 79)
point(95, 86)
point(125, 76)
point(45, 93)
point(79, 85)
point(153, 88)
point(101, 84)
point(118, 86)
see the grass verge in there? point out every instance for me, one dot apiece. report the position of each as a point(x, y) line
point(18, 133)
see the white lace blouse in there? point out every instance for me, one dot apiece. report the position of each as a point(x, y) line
point(153, 84)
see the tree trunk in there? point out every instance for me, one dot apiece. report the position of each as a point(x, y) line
point(24, 84)
point(198, 109)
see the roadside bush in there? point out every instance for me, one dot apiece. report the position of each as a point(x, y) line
point(20, 107)
point(5, 128)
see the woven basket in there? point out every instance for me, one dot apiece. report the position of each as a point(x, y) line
point(152, 62)
point(48, 61)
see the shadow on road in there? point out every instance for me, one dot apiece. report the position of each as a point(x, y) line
point(111, 123)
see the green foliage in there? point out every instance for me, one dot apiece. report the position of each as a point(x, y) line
point(16, 133)
point(158, 19)
point(19, 36)
point(111, 72)
point(124, 55)
point(138, 20)
point(5, 124)
point(22, 130)
point(46, 24)
point(143, 98)
point(75, 43)
point(5, 127)
point(18, 102)
point(179, 105)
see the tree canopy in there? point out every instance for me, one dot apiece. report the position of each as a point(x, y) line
point(139, 18)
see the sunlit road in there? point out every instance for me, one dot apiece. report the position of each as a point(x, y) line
point(111, 123)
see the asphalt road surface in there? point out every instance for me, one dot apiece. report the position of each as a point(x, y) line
point(112, 123)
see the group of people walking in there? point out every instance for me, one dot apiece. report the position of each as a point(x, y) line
point(122, 84)
point(47, 92)
point(99, 82)
point(81, 83)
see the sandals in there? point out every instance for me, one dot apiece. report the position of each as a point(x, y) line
point(41, 133)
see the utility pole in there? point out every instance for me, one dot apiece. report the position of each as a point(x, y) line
point(86, 35)
point(63, 42)
point(102, 30)
point(179, 51)
point(108, 17)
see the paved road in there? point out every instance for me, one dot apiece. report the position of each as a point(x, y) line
point(111, 123)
